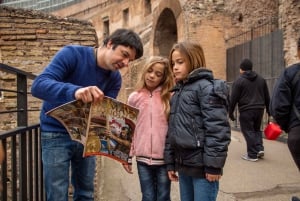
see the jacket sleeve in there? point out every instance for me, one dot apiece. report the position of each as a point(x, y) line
point(169, 155)
point(217, 131)
point(234, 97)
point(280, 105)
point(50, 85)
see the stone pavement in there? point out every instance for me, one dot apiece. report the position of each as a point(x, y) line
point(274, 178)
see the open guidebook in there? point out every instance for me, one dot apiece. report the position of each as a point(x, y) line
point(104, 128)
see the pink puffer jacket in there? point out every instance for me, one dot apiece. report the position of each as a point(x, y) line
point(151, 127)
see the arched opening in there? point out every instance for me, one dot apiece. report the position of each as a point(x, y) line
point(165, 34)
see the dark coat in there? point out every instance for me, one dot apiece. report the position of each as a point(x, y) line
point(199, 130)
point(284, 96)
point(249, 91)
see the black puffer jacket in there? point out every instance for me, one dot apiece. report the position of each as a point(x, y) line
point(284, 96)
point(199, 131)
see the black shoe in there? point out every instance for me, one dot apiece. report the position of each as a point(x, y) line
point(294, 198)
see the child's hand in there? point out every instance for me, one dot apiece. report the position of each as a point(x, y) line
point(213, 177)
point(172, 176)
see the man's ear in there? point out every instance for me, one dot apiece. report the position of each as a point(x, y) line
point(109, 44)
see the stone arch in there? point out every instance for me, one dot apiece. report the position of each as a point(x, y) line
point(165, 34)
point(165, 29)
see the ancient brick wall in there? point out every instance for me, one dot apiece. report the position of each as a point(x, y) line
point(289, 15)
point(211, 22)
point(226, 19)
point(28, 40)
point(245, 14)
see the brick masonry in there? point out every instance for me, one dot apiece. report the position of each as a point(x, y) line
point(28, 41)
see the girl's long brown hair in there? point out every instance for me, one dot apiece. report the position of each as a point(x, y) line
point(192, 52)
point(166, 84)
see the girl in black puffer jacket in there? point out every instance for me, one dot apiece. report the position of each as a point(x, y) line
point(199, 131)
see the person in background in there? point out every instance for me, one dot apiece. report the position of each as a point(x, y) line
point(151, 97)
point(81, 73)
point(199, 131)
point(285, 107)
point(250, 92)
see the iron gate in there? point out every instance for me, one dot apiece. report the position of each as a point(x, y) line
point(266, 53)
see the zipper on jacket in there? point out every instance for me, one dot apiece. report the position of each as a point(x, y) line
point(198, 142)
point(151, 95)
point(178, 97)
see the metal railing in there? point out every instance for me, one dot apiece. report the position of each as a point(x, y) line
point(21, 170)
point(41, 5)
point(261, 29)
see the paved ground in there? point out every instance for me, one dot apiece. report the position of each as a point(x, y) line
point(274, 178)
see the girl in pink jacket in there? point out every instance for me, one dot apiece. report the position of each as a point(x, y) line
point(151, 97)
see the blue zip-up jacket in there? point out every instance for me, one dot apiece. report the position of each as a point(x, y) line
point(71, 68)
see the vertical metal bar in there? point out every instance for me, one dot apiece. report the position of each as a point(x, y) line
point(37, 162)
point(22, 100)
point(251, 44)
point(14, 171)
point(22, 119)
point(30, 166)
point(23, 167)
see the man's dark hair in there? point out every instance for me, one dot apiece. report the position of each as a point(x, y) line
point(128, 38)
point(246, 65)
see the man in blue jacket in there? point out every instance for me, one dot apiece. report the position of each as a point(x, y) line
point(250, 92)
point(81, 73)
point(285, 107)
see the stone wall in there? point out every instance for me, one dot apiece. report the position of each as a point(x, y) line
point(289, 15)
point(209, 22)
point(28, 40)
point(246, 14)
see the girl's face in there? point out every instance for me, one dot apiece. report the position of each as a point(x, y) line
point(154, 76)
point(179, 66)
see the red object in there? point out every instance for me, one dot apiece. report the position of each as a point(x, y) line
point(272, 131)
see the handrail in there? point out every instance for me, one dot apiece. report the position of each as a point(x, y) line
point(13, 70)
point(21, 170)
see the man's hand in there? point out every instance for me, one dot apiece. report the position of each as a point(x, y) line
point(89, 94)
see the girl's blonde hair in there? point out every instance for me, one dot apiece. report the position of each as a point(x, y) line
point(167, 82)
point(192, 52)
